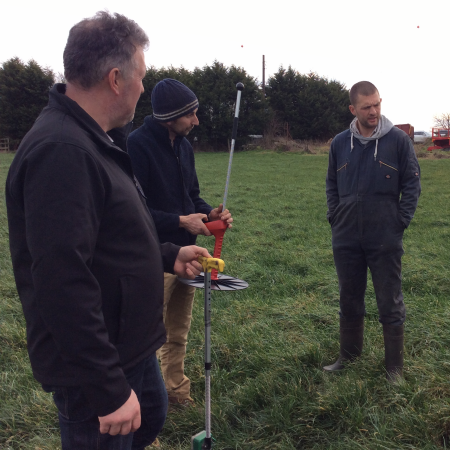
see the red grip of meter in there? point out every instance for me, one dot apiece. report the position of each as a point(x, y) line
point(217, 229)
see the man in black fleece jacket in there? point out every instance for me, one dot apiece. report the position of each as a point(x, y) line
point(163, 161)
point(86, 257)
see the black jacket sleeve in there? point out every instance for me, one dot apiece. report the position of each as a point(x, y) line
point(200, 205)
point(169, 254)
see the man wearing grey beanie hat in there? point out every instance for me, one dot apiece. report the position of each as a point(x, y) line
point(163, 162)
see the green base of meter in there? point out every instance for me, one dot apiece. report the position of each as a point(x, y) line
point(198, 440)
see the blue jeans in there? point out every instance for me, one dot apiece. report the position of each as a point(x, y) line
point(80, 429)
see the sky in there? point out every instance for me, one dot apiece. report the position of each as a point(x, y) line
point(400, 46)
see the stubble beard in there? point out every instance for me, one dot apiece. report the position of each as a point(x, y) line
point(185, 132)
point(368, 125)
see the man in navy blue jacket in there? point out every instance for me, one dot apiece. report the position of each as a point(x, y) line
point(373, 186)
point(163, 161)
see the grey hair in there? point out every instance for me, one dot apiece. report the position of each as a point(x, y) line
point(361, 88)
point(98, 44)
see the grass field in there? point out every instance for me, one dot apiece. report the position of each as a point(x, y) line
point(269, 342)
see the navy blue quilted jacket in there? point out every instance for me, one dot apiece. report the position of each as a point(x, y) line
point(364, 187)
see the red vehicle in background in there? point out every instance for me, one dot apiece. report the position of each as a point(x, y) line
point(408, 129)
point(440, 138)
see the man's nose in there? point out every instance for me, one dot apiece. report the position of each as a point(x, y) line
point(195, 121)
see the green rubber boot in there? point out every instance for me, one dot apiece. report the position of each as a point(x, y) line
point(351, 340)
point(393, 352)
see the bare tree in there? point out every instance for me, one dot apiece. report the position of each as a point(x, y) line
point(60, 78)
point(273, 130)
point(442, 121)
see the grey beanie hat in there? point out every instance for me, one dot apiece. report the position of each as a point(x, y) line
point(171, 100)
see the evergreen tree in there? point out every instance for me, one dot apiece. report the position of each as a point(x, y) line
point(215, 88)
point(23, 94)
point(285, 95)
point(152, 77)
point(314, 107)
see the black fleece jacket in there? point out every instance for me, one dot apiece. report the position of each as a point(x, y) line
point(168, 178)
point(86, 257)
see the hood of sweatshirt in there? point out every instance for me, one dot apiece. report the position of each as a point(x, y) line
point(383, 128)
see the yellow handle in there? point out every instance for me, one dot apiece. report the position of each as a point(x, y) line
point(211, 263)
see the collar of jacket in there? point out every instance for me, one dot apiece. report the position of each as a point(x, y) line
point(59, 100)
point(161, 133)
point(120, 136)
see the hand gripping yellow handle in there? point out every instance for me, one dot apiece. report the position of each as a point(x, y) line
point(211, 263)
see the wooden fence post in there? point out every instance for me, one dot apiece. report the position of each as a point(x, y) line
point(4, 144)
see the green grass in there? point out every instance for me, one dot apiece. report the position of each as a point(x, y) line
point(269, 342)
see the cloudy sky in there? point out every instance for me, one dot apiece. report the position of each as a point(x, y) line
point(400, 46)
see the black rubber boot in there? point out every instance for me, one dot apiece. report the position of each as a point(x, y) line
point(393, 351)
point(351, 340)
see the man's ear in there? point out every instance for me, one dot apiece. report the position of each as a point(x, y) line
point(352, 110)
point(114, 80)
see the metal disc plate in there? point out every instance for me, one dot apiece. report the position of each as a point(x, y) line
point(223, 283)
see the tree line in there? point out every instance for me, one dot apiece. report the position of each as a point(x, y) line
point(306, 106)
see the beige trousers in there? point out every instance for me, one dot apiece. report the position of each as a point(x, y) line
point(178, 303)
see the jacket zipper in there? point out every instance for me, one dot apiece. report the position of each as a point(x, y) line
point(387, 165)
point(343, 167)
point(138, 187)
point(183, 186)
